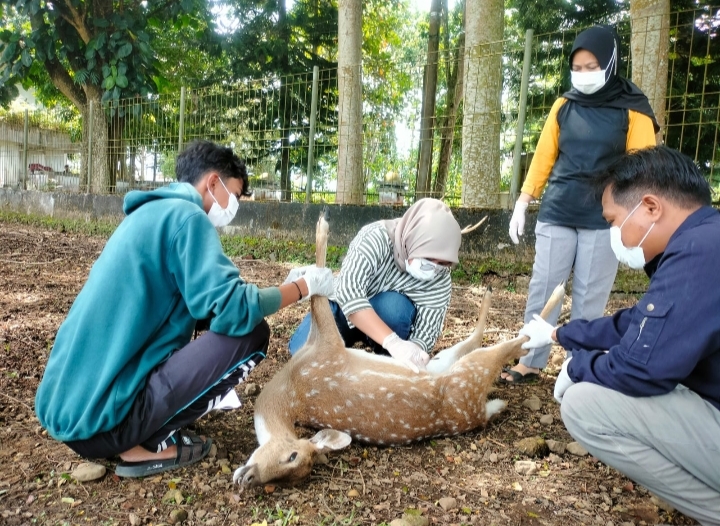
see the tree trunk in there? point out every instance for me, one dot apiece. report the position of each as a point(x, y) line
point(427, 120)
point(650, 44)
point(484, 22)
point(94, 171)
point(447, 126)
point(350, 187)
point(285, 102)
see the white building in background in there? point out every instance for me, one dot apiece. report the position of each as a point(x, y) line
point(48, 156)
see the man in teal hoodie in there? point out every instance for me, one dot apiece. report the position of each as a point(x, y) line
point(124, 377)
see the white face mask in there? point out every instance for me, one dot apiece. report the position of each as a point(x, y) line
point(220, 216)
point(588, 82)
point(633, 257)
point(423, 269)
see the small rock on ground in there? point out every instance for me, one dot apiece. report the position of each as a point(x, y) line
point(532, 446)
point(411, 520)
point(665, 506)
point(555, 446)
point(533, 403)
point(177, 516)
point(251, 389)
point(576, 449)
point(525, 467)
point(88, 471)
point(448, 503)
point(546, 420)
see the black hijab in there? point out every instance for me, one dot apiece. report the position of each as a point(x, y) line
point(618, 92)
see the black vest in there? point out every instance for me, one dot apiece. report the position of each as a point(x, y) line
point(590, 139)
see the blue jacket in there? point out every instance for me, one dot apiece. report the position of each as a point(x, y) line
point(162, 269)
point(672, 336)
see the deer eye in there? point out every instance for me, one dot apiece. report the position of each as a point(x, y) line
point(293, 457)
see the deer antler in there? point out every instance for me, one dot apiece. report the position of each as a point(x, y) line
point(469, 228)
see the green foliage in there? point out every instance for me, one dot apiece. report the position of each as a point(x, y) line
point(83, 47)
point(101, 228)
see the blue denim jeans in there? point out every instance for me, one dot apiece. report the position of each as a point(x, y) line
point(395, 309)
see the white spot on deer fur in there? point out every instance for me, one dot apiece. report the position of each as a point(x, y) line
point(390, 395)
point(304, 372)
point(393, 435)
point(314, 364)
point(486, 372)
point(332, 385)
point(348, 403)
point(312, 392)
point(261, 431)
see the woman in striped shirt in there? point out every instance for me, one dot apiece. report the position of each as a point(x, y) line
point(393, 289)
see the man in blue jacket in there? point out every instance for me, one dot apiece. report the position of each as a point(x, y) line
point(641, 391)
point(124, 377)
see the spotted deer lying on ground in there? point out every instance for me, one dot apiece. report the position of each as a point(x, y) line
point(353, 394)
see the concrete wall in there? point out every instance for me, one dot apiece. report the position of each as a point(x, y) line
point(294, 221)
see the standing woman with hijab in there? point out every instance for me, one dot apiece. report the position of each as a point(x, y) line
point(394, 287)
point(589, 127)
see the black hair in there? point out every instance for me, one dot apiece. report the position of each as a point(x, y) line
point(659, 170)
point(200, 157)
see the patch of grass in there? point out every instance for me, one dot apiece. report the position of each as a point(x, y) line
point(94, 227)
point(277, 516)
point(468, 271)
point(631, 281)
point(279, 250)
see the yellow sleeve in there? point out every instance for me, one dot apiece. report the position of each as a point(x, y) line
point(641, 133)
point(545, 154)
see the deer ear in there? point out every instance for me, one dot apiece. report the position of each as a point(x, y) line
point(330, 439)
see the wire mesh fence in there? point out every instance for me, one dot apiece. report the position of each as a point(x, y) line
point(291, 145)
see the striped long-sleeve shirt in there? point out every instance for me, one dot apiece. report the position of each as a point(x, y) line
point(369, 269)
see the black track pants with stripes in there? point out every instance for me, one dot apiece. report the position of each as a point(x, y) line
point(179, 391)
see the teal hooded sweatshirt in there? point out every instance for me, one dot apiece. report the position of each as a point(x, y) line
point(160, 271)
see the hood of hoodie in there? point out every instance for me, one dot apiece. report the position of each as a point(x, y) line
point(185, 191)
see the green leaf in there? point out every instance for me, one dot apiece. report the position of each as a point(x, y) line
point(26, 58)
point(121, 81)
point(90, 50)
point(113, 71)
point(124, 50)
point(109, 83)
point(9, 52)
point(121, 68)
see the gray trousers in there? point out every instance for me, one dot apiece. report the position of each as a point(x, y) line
point(670, 444)
point(558, 250)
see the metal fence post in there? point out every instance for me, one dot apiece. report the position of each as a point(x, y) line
point(25, 169)
point(182, 119)
point(522, 110)
point(311, 142)
point(91, 119)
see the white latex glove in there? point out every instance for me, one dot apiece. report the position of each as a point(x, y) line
point(563, 382)
point(517, 221)
point(408, 353)
point(539, 331)
point(319, 282)
point(296, 273)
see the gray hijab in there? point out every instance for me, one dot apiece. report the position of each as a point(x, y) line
point(426, 230)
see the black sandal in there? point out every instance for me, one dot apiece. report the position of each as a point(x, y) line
point(518, 377)
point(190, 449)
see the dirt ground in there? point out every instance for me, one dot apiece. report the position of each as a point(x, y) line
point(469, 479)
